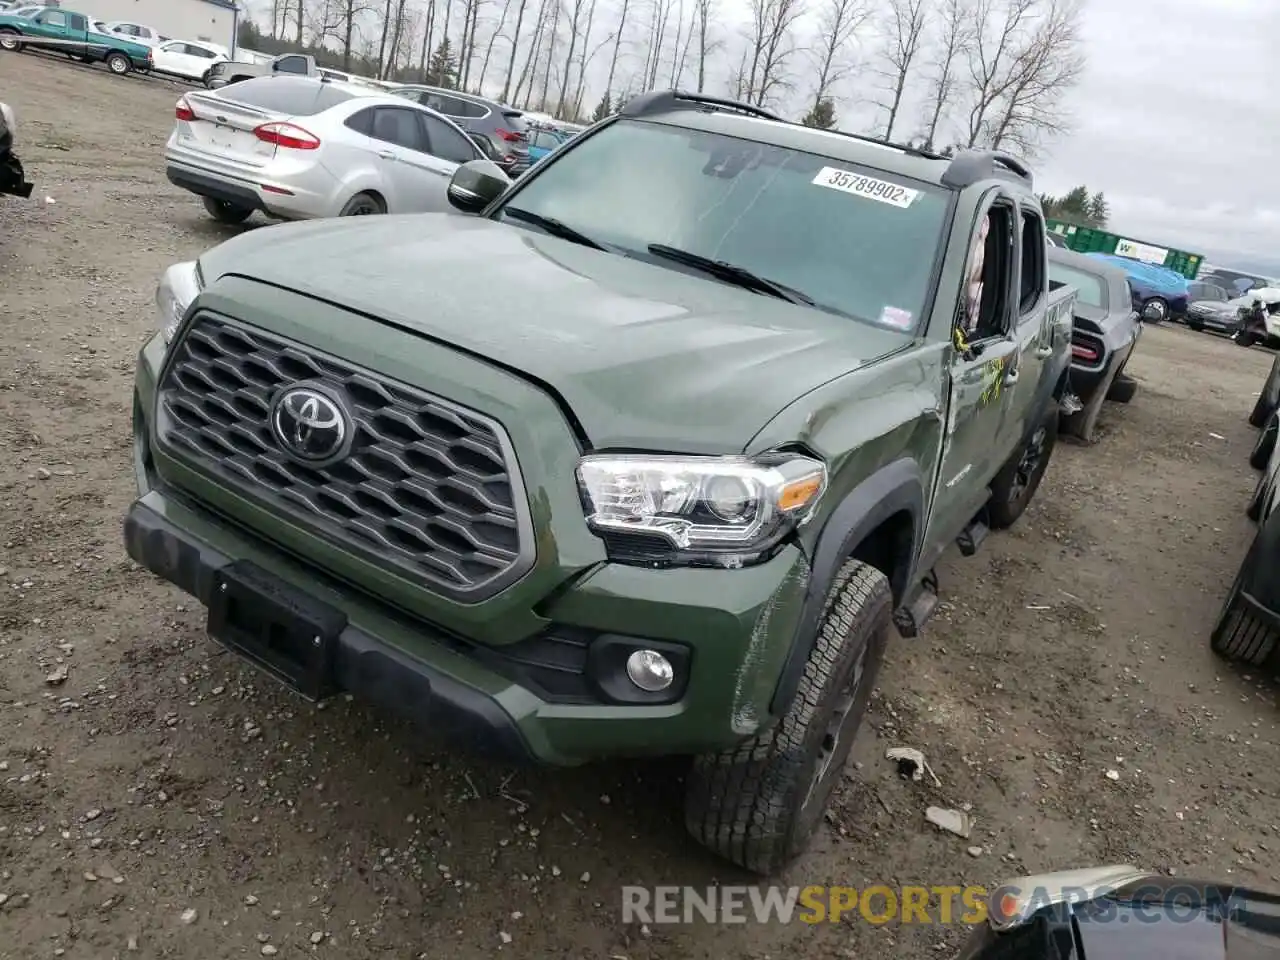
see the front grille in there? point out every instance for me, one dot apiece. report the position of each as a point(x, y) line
point(429, 489)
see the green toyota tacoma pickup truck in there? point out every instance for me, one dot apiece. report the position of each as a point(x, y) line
point(646, 456)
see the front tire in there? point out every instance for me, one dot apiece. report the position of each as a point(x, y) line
point(1240, 635)
point(9, 41)
point(119, 64)
point(1162, 307)
point(759, 804)
point(225, 212)
point(1017, 482)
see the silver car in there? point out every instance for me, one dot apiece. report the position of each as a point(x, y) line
point(297, 148)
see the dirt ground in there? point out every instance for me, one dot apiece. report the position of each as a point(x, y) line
point(164, 777)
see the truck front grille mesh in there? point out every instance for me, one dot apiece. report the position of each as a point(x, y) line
point(428, 489)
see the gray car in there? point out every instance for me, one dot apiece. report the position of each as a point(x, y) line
point(1105, 329)
point(503, 126)
point(1211, 309)
point(298, 147)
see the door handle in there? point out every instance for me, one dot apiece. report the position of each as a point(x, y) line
point(386, 155)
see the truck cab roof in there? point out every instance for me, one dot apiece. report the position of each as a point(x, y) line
point(731, 118)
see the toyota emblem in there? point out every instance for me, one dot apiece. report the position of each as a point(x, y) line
point(310, 425)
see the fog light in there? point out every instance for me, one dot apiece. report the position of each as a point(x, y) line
point(650, 671)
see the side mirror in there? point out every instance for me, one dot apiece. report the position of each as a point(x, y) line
point(476, 184)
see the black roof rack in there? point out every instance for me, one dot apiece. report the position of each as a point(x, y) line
point(660, 101)
point(881, 142)
point(969, 166)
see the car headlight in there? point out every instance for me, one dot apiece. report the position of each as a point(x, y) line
point(722, 511)
point(179, 286)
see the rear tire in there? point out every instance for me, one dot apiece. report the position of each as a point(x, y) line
point(9, 41)
point(119, 64)
point(1017, 482)
point(225, 212)
point(1245, 339)
point(1122, 388)
point(363, 205)
point(759, 804)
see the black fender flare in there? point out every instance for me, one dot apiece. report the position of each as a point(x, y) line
point(895, 487)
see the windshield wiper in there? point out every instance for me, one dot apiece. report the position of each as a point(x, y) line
point(731, 273)
point(552, 226)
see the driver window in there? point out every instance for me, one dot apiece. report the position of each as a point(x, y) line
point(985, 311)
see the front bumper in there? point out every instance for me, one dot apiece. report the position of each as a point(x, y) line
point(301, 202)
point(737, 627)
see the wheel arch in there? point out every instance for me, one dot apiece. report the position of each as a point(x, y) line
point(880, 522)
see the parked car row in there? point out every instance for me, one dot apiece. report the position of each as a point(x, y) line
point(1248, 626)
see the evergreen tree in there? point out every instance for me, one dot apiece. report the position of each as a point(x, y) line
point(603, 109)
point(822, 115)
point(442, 70)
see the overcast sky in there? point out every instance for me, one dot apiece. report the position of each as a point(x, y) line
point(1174, 121)
point(1178, 123)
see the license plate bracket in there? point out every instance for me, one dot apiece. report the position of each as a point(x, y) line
point(283, 630)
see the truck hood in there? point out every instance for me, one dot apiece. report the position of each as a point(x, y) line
point(644, 357)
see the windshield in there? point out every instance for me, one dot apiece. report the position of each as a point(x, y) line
point(1090, 289)
point(858, 242)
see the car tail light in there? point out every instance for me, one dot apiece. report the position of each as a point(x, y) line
point(1083, 350)
point(287, 135)
point(511, 136)
point(184, 111)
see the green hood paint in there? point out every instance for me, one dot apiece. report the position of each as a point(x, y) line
point(646, 357)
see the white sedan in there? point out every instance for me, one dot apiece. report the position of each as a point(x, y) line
point(186, 59)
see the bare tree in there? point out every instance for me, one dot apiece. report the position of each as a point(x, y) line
point(349, 14)
point(770, 47)
point(515, 47)
point(1047, 65)
point(956, 34)
point(488, 48)
point(704, 11)
point(530, 68)
point(1001, 27)
point(838, 23)
point(905, 28)
point(553, 35)
point(427, 31)
point(576, 12)
point(585, 58)
point(657, 40)
point(617, 46)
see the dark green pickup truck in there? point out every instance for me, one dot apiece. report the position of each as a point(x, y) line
point(646, 457)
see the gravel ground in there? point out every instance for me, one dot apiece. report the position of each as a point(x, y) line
point(166, 801)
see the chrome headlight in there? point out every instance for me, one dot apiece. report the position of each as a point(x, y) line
point(723, 511)
point(178, 287)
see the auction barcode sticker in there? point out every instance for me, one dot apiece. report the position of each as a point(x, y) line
point(862, 186)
